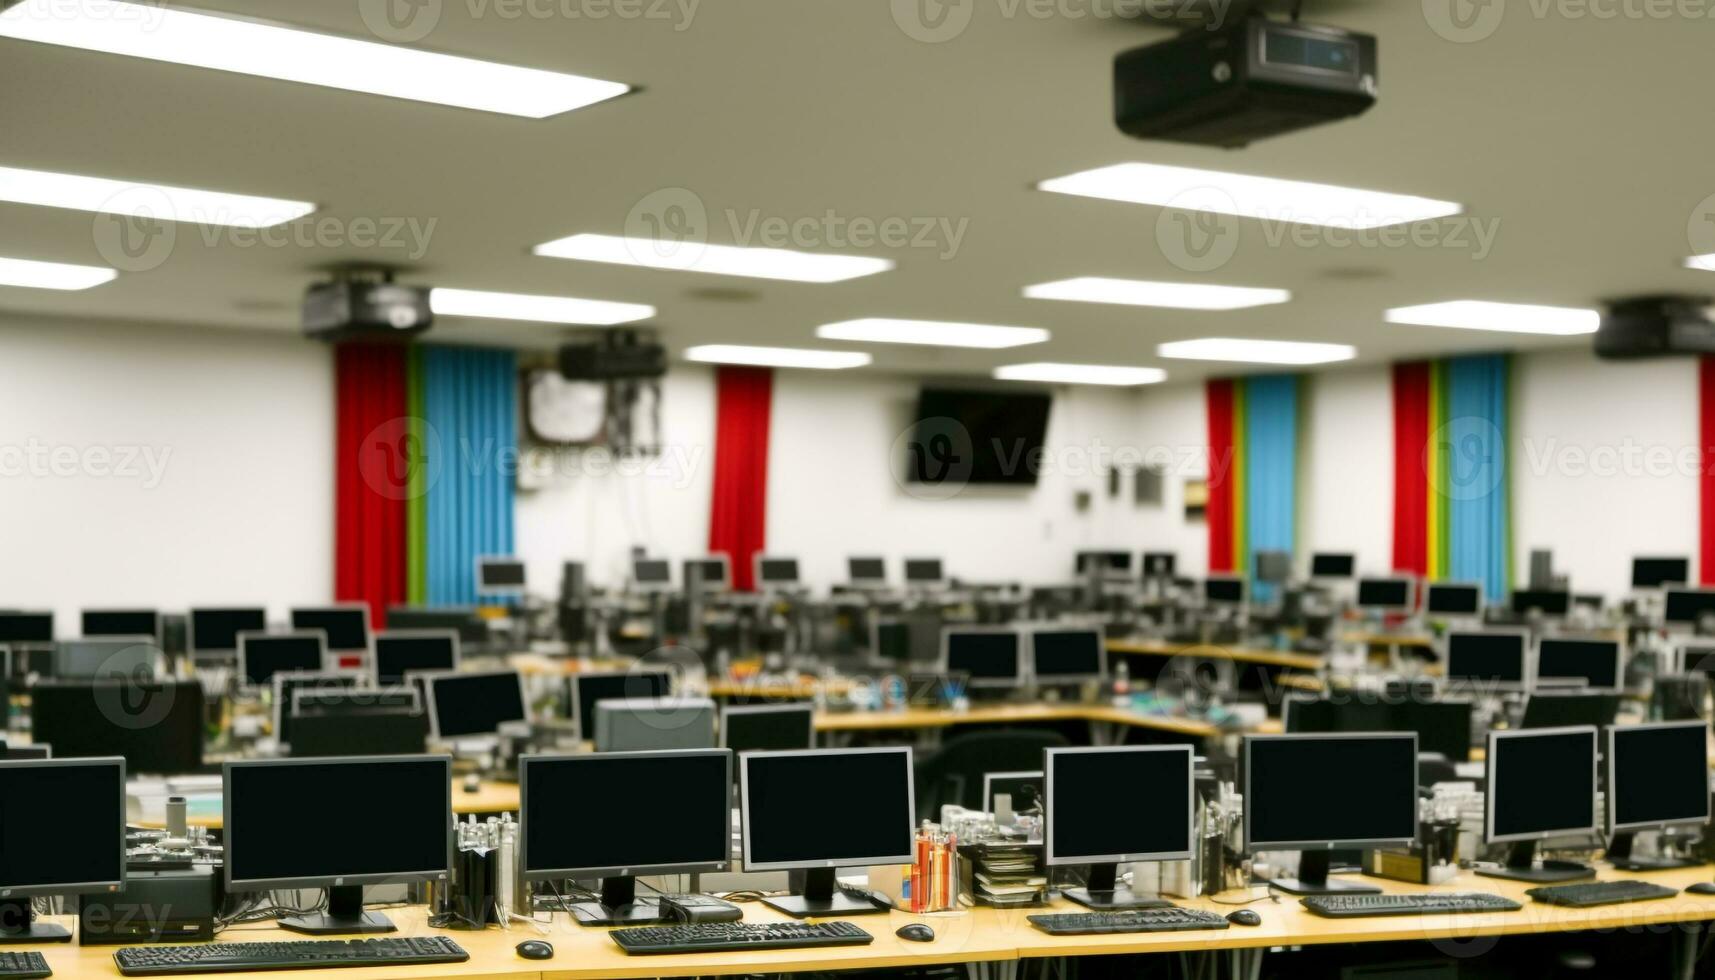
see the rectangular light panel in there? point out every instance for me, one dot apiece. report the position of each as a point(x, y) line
point(1256, 351)
point(1080, 374)
point(32, 274)
point(544, 309)
point(786, 357)
point(159, 201)
point(1172, 295)
point(723, 260)
point(931, 333)
point(1473, 314)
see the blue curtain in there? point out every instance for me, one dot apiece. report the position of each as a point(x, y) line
point(470, 406)
point(1271, 468)
point(1476, 485)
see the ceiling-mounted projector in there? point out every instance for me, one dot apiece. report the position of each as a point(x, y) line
point(1233, 85)
point(365, 304)
point(1657, 326)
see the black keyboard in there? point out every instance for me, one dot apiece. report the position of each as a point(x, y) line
point(1363, 906)
point(1130, 920)
point(1592, 893)
point(23, 966)
point(145, 961)
point(718, 937)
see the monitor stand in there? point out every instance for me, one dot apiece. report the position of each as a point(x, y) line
point(18, 925)
point(1520, 866)
point(345, 916)
point(1103, 893)
point(618, 906)
point(1313, 878)
point(1619, 854)
point(821, 898)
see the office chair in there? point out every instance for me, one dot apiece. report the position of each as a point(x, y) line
point(955, 773)
point(1432, 768)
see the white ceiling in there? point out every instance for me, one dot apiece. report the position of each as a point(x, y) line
point(1585, 141)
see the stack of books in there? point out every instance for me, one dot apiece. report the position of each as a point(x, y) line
point(1002, 873)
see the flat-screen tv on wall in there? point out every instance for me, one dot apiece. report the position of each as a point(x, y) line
point(978, 437)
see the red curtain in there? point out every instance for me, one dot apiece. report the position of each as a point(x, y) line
point(1706, 488)
point(738, 511)
point(373, 453)
point(1410, 482)
point(1222, 455)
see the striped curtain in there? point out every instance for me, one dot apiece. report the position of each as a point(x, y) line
point(470, 410)
point(1253, 471)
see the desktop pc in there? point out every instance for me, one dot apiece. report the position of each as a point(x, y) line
point(1085, 826)
point(1541, 784)
point(1159, 564)
point(1333, 566)
point(1560, 709)
point(131, 658)
point(471, 628)
point(1301, 794)
point(499, 576)
point(1227, 591)
point(1460, 600)
point(26, 627)
point(587, 689)
point(1593, 664)
point(1658, 778)
point(651, 574)
point(1061, 656)
point(212, 634)
point(278, 834)
point(77, 847)
point(1111, 565)
point(781, 835)
point(263, 655)
point(990, 655)
point(346, 625)
point(121, 622)
point(1547, 603)
point(866, 573)
point(1386, 595)
point(473, 705)
point(1658, 572)
point(1487, 661)
point(924, 573)
point(157, 725)
point(1685, 610)
point(768, 727)
point(776, 574)
point(711, 573)
point(401, 652)
point(621, 815)
point(288, 683)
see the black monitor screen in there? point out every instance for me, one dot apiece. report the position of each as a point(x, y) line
point(1066, 653)
point(866, 569)
point(265, 656)
point(1494, 658)
point(156, 725)
point(475, 704)
point(347, 628)
point(770, 729)
point(286, 687)
point(776, 787)
point(893, 642)
point(1159, 564)
point(599, 815)
point(500, 573)
point(399, 653)
point(713, 571)
point(216, 630)
point(1562, 710)
point(1384, 593)
point(590, 688)
point(1112, 561)
point(1327, 565)
point(923, 570)
point(1594, 662)
point(1224, 590)
point(1454, 600)
point(1689, 605)
point(121, 622)
point(985, 655)
point(1324, 716)
point(977, 437)
point(1659, 774)
point(23, 627)
point(1441, 726)
point(79, 841)
point(1307, 790)
point(1085, 826)
point(1549, 602)
point(1541, 783)
point(1653, 573)
point(779, 571)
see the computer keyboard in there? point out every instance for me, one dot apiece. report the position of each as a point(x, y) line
point(1363, 906)
point(1591, 893)
point(717, 937)
point(1130, 920)
point(23, 966)
point(145, 961)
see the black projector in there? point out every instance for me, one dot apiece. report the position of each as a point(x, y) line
point(1233, 86)
point(1656, 326)
point(348, 309)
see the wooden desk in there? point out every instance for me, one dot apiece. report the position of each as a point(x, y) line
point(489, 797)
point(911, 719)
point(1266, 658)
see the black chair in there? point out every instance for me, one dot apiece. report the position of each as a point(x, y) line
point(955, 773)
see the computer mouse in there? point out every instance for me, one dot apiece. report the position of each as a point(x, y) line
point(536, 949)
point(1244, 917)
point(916, 932)
point(1701, 888)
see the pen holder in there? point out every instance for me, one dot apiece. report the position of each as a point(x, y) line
point(934, 883)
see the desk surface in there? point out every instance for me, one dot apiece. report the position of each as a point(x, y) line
point(1211, 651)
point(1000, 714)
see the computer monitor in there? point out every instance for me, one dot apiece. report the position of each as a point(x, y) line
point(1113, 564)
point(499, 575)
point(1023, 787)
point(374, 731)
point(472, 704)
point(1443, 726)
point(123, 657)
point(1454, 599)
point(866, 572)
point(400, 652)
point(262, 655)
point(157, 725)
point(1067, 656)
point(1551, 603)
point(1654, 573)
point(1592, 662)
point(1224, 590)
point(27, 751)
point(62, 832)
point(346, 625)
point(924, 571)
point(991, 655)
point(1333, 565)
point(1315, 793)
point(1488, 660)
point(1541, 784)
point(654, 724)
point(1086, 823)
point(715, 573)
point(776, 573)
point(651, 574)
point(463, 620)
point(1159, 564)
point(1385, 594)
point(277, 835)
point(1658, 777)
point(26, 627)
point(1688, 607)
point(587, 689)
point(1693, 655)
point(122, 622)
point(214, 632)
point(1310, 715)
point(288, 683)
point(1561, 710)
point(1273, 567)
point(890, 641)
point(768, 727)
point(781, 835)
point(674, 814)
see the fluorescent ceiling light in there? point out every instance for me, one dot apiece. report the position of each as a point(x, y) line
point(158, 201)
point(1080, 374)
point(933, 333)
point(52, 275)
point(1174, 295)
point(160, 33)
point(546, 309)
point(1704, 262)
point(1473, 314)
point(786, 357)
point(1267, 198)
point(1256, 351)
point(722, 260)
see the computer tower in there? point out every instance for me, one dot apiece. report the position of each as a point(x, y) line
point(155, 907)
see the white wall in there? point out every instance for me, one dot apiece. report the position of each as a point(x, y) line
point(162, 467)
point(1346, 486)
